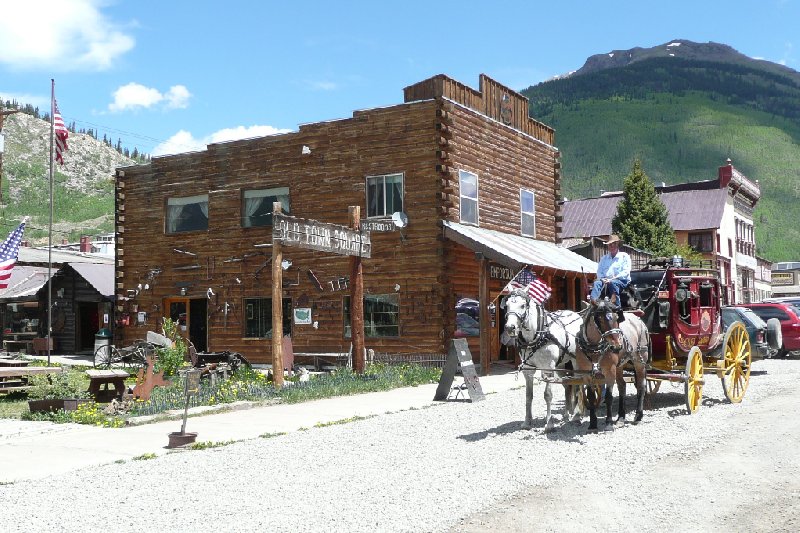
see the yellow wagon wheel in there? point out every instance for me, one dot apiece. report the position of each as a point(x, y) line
point(693, 386)
point(735, 373)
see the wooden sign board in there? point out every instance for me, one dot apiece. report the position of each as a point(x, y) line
point(459, 358)
point(320, 236)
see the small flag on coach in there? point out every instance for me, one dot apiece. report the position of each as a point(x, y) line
point(9, 251)
point(527, 280)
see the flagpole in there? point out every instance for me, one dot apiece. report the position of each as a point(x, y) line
point(50, 229)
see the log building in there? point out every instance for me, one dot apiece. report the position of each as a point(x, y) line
point(476, 178)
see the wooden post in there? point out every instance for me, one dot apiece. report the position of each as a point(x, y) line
point(572, 302)
point(277, 307)
point(485, 319)
point(356, 298)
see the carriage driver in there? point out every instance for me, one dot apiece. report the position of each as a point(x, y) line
point(613, 270)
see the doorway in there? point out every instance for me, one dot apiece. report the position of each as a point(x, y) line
point(86, 326)
point(191, 317)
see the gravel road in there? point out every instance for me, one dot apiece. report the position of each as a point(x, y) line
point(461, 467)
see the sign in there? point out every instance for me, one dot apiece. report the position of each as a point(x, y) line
point(782, 278)
point(320, 236)
point(381, 226)
point(500, 272)
point(459, 359)
point(302, 315)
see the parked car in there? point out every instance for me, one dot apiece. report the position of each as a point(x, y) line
point(789, 317)
point(469, 306)
point(756, 330)
point(793, 300)
point(466, 326)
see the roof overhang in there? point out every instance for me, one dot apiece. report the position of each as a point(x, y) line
point(515, 251)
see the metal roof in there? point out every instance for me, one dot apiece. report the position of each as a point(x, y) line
point(688, 210)
point(515, 251)
point(101, 277)
point(40, 256)
point(24, 283)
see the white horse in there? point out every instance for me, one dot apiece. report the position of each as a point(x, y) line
point(547, 341)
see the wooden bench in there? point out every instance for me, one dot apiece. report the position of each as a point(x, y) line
point(16, 378)
point(104, 378)
point(18, 345)
point(322, 360)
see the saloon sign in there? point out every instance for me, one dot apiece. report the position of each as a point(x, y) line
point(320, 236)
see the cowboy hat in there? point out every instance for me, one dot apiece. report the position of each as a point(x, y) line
point(613, 238)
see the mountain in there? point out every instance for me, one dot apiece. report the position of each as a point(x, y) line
point(683, 108)
point(83, 188)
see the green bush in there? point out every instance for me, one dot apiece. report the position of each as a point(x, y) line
point(67, 384)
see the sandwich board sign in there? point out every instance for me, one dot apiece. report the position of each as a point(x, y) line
point(459, 360)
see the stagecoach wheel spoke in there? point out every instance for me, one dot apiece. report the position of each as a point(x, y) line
point(737, 359)
point(693, 386)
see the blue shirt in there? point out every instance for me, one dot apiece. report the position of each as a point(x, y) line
point(617, 267)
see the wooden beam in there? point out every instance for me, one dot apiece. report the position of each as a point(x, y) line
point(485, 319)
point(277, 307)
point(356, 298)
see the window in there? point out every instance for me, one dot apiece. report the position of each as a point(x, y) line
point(381, 315)
point(468, 190)
point(258, 317)
point(189, 213)
point(701, 242)
point(527, 209)
point(257, 205)
point(384, 195)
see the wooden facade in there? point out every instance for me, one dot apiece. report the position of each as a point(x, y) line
point(213, 275)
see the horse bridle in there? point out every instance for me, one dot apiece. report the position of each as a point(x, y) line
point(543, 335)
point(601, 346)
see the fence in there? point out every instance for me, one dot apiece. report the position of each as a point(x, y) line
point(433, 360)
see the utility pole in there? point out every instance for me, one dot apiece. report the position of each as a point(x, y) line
point(3, 115)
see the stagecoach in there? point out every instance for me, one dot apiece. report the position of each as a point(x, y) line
point(680, 305)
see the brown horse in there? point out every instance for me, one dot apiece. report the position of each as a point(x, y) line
point(605, 346)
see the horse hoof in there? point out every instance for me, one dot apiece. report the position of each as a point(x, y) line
point(526, 425)
point(608, 427)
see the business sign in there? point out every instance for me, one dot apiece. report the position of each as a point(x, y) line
point(381, 226)
point(320, 236)
point(500, 272)
point(782, 278)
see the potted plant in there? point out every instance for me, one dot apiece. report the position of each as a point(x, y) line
point(51, 392)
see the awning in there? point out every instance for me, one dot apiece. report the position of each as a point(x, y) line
point(515, 252)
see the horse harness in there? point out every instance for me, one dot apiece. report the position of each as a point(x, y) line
point(542, 336)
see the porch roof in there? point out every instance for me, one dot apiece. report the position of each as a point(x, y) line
point(515, 251)
point(24, 283)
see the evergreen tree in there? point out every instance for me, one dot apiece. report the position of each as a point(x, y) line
point(642, 220)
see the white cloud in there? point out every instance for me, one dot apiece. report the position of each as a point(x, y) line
point(178, 97)
point(323, 85)
point(135, 95)
point(184, 141)
point(42, 102)
point(60, 35)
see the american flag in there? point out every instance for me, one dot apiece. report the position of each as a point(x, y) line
point(9, 251)
point(61, 133)
point(532, 284)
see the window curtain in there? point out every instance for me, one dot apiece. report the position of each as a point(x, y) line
point(176, 206)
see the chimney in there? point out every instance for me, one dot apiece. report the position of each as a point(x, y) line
point(64, 242)
point(86, 244)
point(725, 174)
point(24, 244)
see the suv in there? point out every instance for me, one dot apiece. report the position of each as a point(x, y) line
point(756, 330)
point(789, 317)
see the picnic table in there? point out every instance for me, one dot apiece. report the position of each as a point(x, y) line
point(99, 380)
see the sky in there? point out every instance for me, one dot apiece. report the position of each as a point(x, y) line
point(168, 76)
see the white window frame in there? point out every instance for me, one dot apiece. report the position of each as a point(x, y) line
point(382, 178)
point(174, 207)
point(463, 198)
point(529, 214)
point(281, 193)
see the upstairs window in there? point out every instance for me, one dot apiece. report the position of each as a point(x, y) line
point(527, 209)
point(384, 195)
point(189, 213)
point(702, 242)
point(468, 191)
point(257, 205)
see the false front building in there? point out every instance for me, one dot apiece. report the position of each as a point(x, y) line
point(473, 180)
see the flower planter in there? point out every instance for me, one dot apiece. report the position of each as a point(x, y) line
point(67, 404)
point(178, 439)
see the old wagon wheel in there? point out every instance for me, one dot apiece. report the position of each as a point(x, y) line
point(693, 385)
point(736, 359)
point(103, 356)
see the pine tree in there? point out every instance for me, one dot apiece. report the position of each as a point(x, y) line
point(642, 220)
